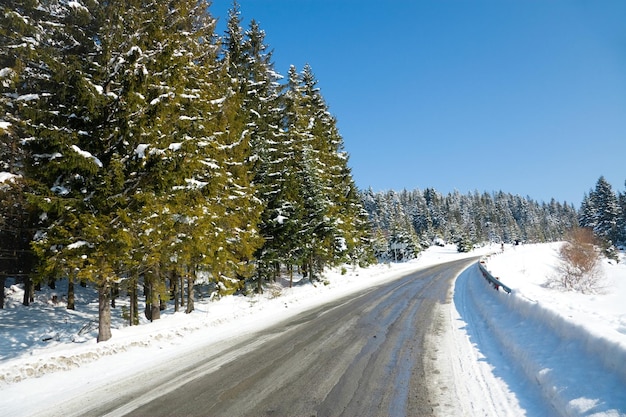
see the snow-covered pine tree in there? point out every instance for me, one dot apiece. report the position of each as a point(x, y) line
point(509, 230)
point(182, 178)
point(314, 171)
point(285, 210)
point(20, 75)
point(17, 216)
point(607, 211)
point(52, 111)
point(621, 223)
point(309, 201)
point(344, 228)
point(586, 215)
point(263, 107)
point(237, 121)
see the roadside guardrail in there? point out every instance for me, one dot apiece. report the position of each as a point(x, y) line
point(495, 282)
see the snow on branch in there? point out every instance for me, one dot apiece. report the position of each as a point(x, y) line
point(192, 184)
point(161, 97)
point(6, 177)
point(140, 150)
point(79, 244)
point(28, 97)
point(87, 155)
point(218, 100)
point(77, 6)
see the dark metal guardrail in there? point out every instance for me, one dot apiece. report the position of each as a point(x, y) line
point(495, 282)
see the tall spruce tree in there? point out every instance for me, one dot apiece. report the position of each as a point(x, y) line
point(53, 112)
point(621, 222)
point(342, 228)
point(249, 62)
point(605, 211)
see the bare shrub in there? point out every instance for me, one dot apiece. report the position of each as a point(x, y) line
point(579, 269)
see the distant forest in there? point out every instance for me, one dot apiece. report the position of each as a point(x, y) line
point(405, 222)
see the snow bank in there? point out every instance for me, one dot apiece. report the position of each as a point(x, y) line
point(578, 365)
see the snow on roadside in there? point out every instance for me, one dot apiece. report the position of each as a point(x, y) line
point(571, 346)
point(46, 337)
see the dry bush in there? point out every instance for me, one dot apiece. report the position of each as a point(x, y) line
point(579, 268)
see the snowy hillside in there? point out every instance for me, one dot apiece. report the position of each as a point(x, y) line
point(531, 351)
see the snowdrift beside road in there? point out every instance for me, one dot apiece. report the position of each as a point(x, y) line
point(556, 340)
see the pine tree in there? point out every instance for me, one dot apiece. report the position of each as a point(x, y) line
point(300, 195)
point(621, 223)
point(53, 112)
point(255, 108)
point(606, 211)
point(343, 228)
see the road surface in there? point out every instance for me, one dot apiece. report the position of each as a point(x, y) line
point(363, 355)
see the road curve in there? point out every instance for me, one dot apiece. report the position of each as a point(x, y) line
point(359, 356)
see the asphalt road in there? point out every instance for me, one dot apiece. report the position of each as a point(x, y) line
point(360, 356)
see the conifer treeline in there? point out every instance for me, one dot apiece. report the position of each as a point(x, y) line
point(407, 221)
point(151, 151)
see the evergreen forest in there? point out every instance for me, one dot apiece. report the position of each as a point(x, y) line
point(406, 222)
point(139, 148)
point(142, 153)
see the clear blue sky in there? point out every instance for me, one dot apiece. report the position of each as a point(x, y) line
point(523, 96)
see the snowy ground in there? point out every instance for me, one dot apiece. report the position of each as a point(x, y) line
point(565, 349)
point(532, 353)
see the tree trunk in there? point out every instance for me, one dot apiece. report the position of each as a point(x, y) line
point(135, 304)
point(155, 304)
point(70, 293)
point(156, 295)
point(28, 289)
point(181, 285)
point(129, 292)
point(104, 312)
point(115, 292)
point(147, 292)
point(2, 282)
point(133, 313)
point(174, 290)
point(190, 294)
point(259, 283)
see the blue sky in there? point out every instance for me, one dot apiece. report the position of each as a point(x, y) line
point(527, 97)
